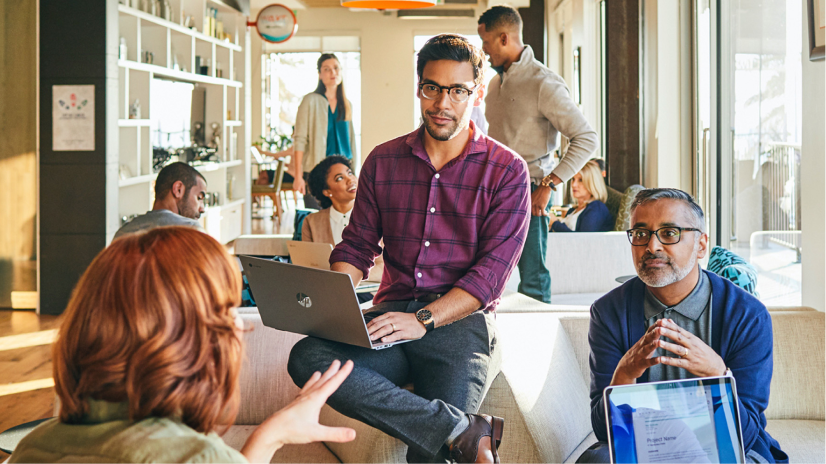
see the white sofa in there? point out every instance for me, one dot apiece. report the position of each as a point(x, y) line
point(542, 391)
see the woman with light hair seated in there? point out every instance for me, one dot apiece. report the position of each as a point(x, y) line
point(590, 213)
point(147, 362)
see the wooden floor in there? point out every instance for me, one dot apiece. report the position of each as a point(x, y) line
point(26, 391)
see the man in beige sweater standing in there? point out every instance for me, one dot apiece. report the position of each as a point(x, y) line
point(527, 105)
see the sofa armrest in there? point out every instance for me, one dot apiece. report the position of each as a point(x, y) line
point(588, 262)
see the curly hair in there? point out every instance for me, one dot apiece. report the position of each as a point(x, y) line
point(318, 178)
point(151, 323)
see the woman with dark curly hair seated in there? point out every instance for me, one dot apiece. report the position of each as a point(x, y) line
point(333, 185)
point(147, 362)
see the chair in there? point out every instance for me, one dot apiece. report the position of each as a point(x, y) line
point(277, 188)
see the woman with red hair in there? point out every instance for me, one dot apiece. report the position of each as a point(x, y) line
point(147, 362)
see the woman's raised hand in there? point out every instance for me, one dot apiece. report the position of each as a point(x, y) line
point(297, 423)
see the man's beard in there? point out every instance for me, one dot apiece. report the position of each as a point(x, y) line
point(443, 134)
point(664, 276)
point(185, 211)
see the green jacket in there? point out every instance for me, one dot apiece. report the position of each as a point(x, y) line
point(107, 435)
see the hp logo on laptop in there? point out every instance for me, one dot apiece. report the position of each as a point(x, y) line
point(304, 300)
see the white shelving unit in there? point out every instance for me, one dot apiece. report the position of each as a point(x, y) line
point(175, 49)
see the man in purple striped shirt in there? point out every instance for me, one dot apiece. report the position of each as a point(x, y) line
point(452, 207)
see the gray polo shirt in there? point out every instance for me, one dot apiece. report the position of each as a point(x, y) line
point(692, 314)
point(157, 218)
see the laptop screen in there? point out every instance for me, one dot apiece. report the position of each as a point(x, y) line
point(693, 420)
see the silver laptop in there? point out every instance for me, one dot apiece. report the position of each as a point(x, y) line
point(309, 301)
point(310, 254)
point(679, 421)
point(317, 256)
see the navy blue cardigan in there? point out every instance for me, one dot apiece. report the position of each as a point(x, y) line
point(594, 218)
point(741, 335)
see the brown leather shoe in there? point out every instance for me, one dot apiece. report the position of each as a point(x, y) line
point(469, 446)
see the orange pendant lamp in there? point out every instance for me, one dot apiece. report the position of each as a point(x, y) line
point(388, 4)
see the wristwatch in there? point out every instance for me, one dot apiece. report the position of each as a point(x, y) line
point(548, 182)
point(426, 318)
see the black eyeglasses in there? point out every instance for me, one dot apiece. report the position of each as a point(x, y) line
point(666, 235)
point(456, 94)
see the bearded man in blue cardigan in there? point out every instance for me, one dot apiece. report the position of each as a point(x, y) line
point(677, 321)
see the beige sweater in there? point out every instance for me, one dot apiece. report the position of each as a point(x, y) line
point(311, 131)
point(527, 107)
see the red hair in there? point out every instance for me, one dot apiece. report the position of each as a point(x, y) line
point(151, 323)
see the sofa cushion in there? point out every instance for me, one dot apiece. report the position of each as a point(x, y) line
point(513, 302)
point(540, 383)
point(624, 213)
point(797, 388)
point(802, 440)
point(588, 262)
point(267, 380)
point(730, 265)
point(237, 435)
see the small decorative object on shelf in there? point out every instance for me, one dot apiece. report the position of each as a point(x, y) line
point(135, 110)
point(124, 172)
point(216, 135)
point(122, 49)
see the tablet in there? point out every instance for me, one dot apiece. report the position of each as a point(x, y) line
point(680, 421)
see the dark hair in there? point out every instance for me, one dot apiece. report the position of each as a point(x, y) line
point(175, 172)
point(501, 16)
point(318, 178)
point(599, 162)
point(341, 97)
point(654, 194)
point(455, 48)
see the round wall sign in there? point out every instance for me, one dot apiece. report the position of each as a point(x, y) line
point(276, 23)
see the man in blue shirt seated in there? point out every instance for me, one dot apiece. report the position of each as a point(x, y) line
point(677, 321)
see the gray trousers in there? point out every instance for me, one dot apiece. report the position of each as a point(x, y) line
point(451, 369)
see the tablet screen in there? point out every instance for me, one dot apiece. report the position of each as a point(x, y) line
point(670, 422)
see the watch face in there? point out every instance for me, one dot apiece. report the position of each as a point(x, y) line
point(423, 315)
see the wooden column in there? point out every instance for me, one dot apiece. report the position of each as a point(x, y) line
point(18, 148)
point(622, 130)
point(78, 189)
point(533, 28)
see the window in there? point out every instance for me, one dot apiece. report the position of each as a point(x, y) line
point(289, 73)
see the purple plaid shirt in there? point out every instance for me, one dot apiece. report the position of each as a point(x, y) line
point(463, 226)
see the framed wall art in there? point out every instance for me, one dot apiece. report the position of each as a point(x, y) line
point(817, 29)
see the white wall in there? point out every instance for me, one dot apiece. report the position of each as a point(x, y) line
point(387, 66)
point(665, 143)
point(576, 20)
point(813, 173)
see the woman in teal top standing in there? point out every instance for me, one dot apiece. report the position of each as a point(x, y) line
point(323, 125)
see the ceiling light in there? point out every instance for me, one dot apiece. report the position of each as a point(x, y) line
point(388, 4)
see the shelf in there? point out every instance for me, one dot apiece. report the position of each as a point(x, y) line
point(221, 6)
point(177, 75)
point(232, 123)
point(137, 180)
point(203, 168)
point(216, 166)
point(229, 205)
point(133, 122)
point(177, 27)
